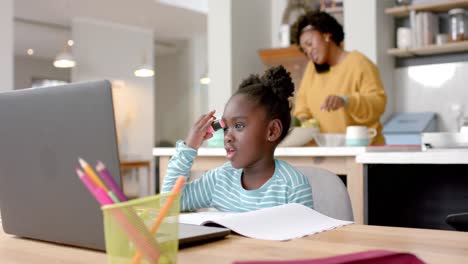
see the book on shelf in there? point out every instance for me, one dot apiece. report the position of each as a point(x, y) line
point(424, 28)
point(283, 222)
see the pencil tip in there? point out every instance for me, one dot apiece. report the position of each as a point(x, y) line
point(99, 165)
point(79, 172)
point(82, 162)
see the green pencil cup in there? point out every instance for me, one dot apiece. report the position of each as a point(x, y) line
point(127, 228)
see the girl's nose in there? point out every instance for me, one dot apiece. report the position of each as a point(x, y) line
point(227, 136)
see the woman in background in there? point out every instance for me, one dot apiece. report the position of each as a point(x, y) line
point(338, 88)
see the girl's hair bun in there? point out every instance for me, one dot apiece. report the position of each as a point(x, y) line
point(251, 80)
point(279, 80)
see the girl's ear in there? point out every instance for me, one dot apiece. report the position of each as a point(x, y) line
point(274, 130)
point(327, 37)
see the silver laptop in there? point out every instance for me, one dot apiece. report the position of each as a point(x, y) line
point(42, 133)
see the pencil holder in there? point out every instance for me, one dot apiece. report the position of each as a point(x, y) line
point(127, 228)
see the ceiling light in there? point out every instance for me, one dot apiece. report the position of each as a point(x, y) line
point(205, 80)
point(64, 59)
point(30, 52)
point(144, 70)
point(70, 42)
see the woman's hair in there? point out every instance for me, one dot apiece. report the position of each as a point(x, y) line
point(320, 21)
point(271, 91)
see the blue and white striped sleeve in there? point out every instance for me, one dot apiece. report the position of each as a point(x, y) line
point(301, 194)
point(195, 194)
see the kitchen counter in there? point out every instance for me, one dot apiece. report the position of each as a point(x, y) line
point(304, 151)
point(437, 156)
point(340, 160)
point(297, 151)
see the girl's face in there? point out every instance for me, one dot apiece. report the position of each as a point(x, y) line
point(246, 132)
point(315, 46)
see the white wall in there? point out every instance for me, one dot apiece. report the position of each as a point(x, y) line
point(219, 53)
point(6, 45)
point(27, 68)
point(109, 51)
point(433, 88)
point(178, 88)
point(385, 63)
point(277, 9)
point(198, 62)
point(251, 31)
point(236, 31)
point(172, 95)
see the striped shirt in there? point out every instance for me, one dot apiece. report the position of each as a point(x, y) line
point(221, 188)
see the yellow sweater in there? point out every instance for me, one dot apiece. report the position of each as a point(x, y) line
point(357, 78)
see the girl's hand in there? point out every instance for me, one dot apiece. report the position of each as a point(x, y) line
point(332, 103)
point(199, 131)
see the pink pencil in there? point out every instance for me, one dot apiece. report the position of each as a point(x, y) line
point(87, 182)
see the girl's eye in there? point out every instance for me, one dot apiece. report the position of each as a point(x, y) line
point(239, 126)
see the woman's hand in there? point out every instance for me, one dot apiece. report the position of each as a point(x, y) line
point(199, 131)
point(332, 103)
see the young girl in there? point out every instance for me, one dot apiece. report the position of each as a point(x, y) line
point(257, 117)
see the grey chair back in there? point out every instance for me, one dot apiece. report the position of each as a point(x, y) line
point(329, 193)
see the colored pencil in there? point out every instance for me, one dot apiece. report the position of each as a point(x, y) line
point(109, 180)
point(86, 181)
point(91, 174)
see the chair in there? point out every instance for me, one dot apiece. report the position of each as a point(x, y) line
point(458, 221)
point(329, 193)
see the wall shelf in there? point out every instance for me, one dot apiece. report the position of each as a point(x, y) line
point(333, 10)
point(291, 58)
point(280, 54)
point(453, 47)
point(442, 6)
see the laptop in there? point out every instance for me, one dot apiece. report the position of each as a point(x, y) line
point(43, 132)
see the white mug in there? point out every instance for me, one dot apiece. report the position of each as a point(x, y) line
point(403, 38)
point(441, 39)
point(285, 40)
point(359, 135)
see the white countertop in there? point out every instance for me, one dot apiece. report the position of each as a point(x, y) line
point(298, 151)
point(439, 156)
point(365, 155)
point(294, 151)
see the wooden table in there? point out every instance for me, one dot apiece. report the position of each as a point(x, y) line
point(432, 246)
point(137, 165)
point(340, 160)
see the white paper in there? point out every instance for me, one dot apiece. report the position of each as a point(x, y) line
point(282, 222)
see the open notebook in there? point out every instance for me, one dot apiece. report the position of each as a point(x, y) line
point(282, 222)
